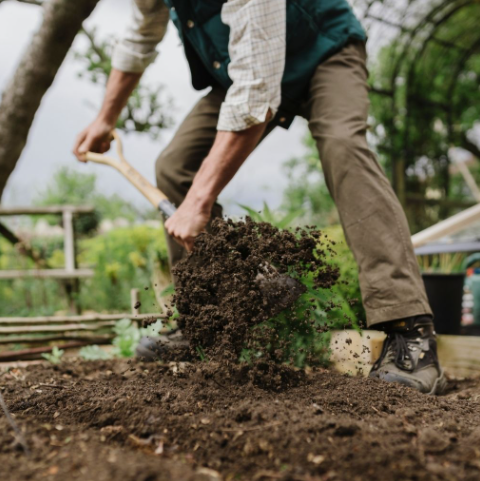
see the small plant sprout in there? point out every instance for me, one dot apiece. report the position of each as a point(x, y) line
point(94, 353)
point(55, 357)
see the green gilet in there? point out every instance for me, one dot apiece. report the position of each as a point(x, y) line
point(316, 29)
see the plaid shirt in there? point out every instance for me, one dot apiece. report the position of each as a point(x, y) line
point(256, 47)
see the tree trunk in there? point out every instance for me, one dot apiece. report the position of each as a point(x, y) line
point(40, 63)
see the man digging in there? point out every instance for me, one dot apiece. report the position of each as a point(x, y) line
point(267, 61)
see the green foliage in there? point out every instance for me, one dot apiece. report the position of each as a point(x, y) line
point(70, 187)
point(128, 336)
point(152, 330)
point(335, 308)
point(445, 263)
point(147, 110)
point(121, 259)
point(125, 342)
point(201, 354)
point(94, 353)
point(347, 290)
point(55, 357)
point(434, 105)
point(278, 219)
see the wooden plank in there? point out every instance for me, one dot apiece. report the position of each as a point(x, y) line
point(354, 352)
point(74, 336)
point(469, 180)
point(459, 355)
point(62, 328)
point(447, 227)
point(448, 203)
point(69, 241)
point(134, 301)
point(51, 209)
point(36, 352)
point(80, 318)
point(46, 273)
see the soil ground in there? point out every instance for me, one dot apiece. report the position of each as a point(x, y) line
point(114, 420)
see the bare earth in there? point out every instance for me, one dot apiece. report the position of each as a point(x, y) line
point(149, 422)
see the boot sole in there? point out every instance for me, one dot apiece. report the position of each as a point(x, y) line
point(440, 385)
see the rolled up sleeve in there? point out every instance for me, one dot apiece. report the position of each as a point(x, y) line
point(257, 60)
point(136, 50)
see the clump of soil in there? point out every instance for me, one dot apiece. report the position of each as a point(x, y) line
point(113, 420)
point(238, 276)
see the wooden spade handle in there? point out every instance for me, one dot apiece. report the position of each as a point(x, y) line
point(156, 197)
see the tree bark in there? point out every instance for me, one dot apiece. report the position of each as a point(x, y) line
point(39, 65)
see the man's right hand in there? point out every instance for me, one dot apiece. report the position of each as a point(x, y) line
point(95, 138)
point(98, 135)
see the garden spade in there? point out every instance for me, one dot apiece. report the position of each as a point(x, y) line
point(280, 291)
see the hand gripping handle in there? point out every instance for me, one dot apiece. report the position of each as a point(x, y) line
point(156, 197)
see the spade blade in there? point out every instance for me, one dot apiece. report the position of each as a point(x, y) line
point(280, 291)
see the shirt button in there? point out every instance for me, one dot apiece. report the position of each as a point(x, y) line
point(216, 65)
point(190, 24)
point(282, 120)
point(172, 9)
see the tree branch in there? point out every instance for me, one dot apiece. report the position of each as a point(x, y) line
point(38, 3)
point(95, 47)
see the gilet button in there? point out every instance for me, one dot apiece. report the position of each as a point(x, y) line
point(216, 65)
point(190, 24)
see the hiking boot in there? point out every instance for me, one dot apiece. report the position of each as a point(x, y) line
point(409, 356)
point(172, 346)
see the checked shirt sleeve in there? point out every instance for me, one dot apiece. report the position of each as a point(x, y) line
point(136, 50)
point(257, 60)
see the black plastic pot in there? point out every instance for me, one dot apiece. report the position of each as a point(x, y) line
point(445, 292)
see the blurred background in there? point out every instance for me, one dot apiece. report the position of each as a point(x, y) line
point(424, 61)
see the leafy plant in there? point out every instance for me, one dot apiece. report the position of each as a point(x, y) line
point(94, 353)
point(55, 357)
point(152, 330)
point(125, 342)
point(445, 263)
point(278, 219)
point(335, 308)
point(128, 336)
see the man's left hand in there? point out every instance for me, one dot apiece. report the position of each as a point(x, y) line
point(188, 221)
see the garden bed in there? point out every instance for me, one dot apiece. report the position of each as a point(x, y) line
point(119, 420)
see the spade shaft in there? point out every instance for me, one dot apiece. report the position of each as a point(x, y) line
point(156, 197)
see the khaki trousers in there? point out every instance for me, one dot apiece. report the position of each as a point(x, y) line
point(374, 223)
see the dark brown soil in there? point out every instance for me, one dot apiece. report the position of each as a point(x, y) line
point(238, 276)
point(149, 422)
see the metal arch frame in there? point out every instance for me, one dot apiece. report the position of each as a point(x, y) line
point(453, 9)
point(408, 53)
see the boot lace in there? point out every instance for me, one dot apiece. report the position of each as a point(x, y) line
point(398, 348)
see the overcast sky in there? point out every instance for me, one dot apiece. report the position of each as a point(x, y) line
point(66, 109)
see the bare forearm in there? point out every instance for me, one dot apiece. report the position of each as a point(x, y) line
point(119, 88)
point(228, 153)
point(98, 135)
